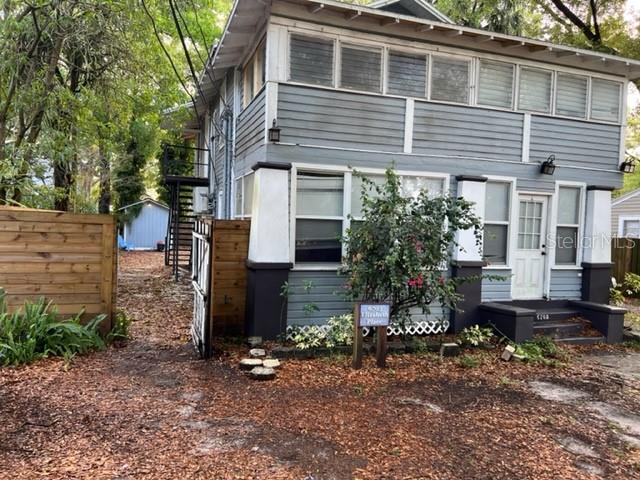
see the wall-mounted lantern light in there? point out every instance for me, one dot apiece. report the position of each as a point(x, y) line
point(274, 132)
point(629, 164)
point(548, 167)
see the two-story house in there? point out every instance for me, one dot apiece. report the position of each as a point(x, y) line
point(299, 93)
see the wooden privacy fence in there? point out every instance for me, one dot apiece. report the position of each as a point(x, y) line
point(220, 249)
point(625, 255)
point(69, 259)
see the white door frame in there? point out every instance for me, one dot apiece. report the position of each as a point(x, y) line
point(548, 197)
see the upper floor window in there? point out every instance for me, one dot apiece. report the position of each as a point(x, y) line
point(407, 74)
point(495, 84)
point(571, 95)
point(361, 68)
point(495, 239)
point(605, 100)
point(535, 90)
point(253, 74)
point(568, 225)
point(449, 79)
point(311, 60)
point(244, 196)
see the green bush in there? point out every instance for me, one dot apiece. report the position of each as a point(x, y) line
point(35, 332)
point(475, 336)
point(615, 296)
point(340, 332)
point(120, 329)
point(540, 350)
point(631, 284)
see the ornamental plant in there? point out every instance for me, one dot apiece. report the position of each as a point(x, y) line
point(399, 250)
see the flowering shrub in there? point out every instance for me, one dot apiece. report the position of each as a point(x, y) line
point(398, 252)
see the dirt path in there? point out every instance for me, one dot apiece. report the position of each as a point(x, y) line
point(153, 410)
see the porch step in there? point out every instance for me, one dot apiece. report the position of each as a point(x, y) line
point(558, 329)
point(555, 314)
point(582, 340)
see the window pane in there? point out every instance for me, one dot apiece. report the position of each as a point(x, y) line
point(318, 240)
point(535, 90)
point(450, 79)
point(497, 202)
point(631, 228)
point(247, 75)
point(496, 84)
point(566, 245)
point(238, 203)
point(319, 195)
point(407, 74)
point(248, 194)
point(412, 186)
point(356, 192)
point(605, 100)
point(569, 206)
point(311, 60)
point(494, 244)
point(361, 69)
point(571, 96)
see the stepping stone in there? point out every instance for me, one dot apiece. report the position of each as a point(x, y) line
point(449, 350)
point(262, 373)
point(257, 352)
point(271, 363)
point(254, 342)
point(508, 352)
point(249, 363)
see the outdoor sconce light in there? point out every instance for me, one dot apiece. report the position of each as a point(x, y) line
point(627, 166)
point(274, 132)
point(548, 167)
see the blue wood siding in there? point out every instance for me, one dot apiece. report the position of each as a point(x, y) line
point(496, 290)
point(574, 143)
point(251, 126)
point(452, 130)
point(149, 227)
point(325, 293)
point(314, 116)
point(566, 284)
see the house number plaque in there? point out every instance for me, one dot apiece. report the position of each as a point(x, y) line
point(372, 315)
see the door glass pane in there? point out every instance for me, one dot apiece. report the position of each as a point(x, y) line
point(318, 240)
point(494, 244)
point(566, 245)
point(319, 195)
point(530, 225)
point(497, 202)
point(568, 206)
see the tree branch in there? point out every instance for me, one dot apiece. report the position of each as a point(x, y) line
point(573, 18)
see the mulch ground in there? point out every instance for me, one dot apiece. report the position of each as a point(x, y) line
point(153, 410)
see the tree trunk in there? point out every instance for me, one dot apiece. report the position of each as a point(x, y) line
point(104, 203)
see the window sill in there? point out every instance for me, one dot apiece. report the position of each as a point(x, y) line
point(496, 267)
point(302, 267)
point(566, 267)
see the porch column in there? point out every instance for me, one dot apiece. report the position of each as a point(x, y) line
point(467, 258)
point(596, 245)
point(268, 262)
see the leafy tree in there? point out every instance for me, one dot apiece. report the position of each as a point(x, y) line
point(399, 249)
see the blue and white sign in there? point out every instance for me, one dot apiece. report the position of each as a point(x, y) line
point(374, 315)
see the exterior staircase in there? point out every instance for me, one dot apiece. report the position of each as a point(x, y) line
point(566, 325)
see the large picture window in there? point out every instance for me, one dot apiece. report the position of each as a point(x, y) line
point(496, 223)
point(568, 225)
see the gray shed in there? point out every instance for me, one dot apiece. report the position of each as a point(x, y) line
point(149, 227)
point(625, 215)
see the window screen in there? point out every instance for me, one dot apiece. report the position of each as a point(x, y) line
point(496, 223)
point(311, 60)
point(495, 84)
point(361, 69)
point(605, 100)
point(568, 225)
point(407, 74)
point(450, 79)
point(535, 90)
point(571, 96)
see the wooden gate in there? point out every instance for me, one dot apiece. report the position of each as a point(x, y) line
point(219, 277)
point(201, 281)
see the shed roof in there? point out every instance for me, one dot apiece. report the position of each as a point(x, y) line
point(625, 197)
point(145, 200)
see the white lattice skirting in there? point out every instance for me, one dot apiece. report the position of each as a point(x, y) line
point(426, 327)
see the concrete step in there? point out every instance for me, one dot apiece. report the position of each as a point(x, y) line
point(582, 340)
point(558, 329)
point(555, 314)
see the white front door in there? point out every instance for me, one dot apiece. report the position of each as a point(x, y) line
point(530, 251)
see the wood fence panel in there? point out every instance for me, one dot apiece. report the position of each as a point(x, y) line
point(625, 255)
point(230, 247)
point(66, 258)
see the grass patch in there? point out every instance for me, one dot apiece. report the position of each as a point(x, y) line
point(541, 350)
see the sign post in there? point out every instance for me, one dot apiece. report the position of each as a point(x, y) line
point(372, 315)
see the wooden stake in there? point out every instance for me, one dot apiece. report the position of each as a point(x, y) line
point(357, 338)
point(381, 347)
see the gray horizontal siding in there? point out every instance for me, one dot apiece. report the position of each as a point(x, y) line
point(465, 131)
point(627, 208)
point(312, 116)
point(574, 143)
point(325, 293)
point(496, 290)
point(566, 284)
point(251, 125)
